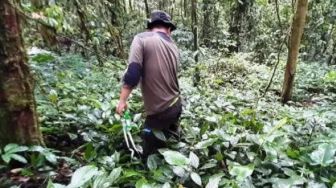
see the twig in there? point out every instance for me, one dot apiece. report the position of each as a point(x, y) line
point(279, 50)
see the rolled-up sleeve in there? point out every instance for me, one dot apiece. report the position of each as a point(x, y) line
point(135, 62)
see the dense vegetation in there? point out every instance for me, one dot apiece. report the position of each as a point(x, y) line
point(235, 132)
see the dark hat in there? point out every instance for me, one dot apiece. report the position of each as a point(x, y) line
point(160, 17)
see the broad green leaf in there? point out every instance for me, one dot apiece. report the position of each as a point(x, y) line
point(50, 157)
point(214, 181)
point(82, 176)
point(6, 157)
point(54, 185)
point(174, 158)
point(179, 171)
point(14, 148)
point(196, 178)
point(115, 174)
point(19, 158)
point(142, 183)
point(131, 173)
point(241, 172)
point(324, 155)
point(159, 134)
point(152, 162)
point(282, 183)
point(194, 160)
point(210, 164)
point(37, 149)
point(166, 185)
point(205, 143)
point(102, 181)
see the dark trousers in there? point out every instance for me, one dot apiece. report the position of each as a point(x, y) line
point(167, 122)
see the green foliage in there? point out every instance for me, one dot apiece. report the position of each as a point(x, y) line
point(230, 139)
point(10, 152)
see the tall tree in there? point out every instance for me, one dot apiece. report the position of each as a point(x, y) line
point(130, 5)
point(207, 28)
point(294, 45)
point(196, 78)
point(147, 8)
point(18, 117)
point(85, 29)
point(48, 33)
point(238, 16)
point(194, 26)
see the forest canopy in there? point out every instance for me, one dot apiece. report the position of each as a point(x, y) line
point(257, 81)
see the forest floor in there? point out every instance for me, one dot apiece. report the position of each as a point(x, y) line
point(232, 135)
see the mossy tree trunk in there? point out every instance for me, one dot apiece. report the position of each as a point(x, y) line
point(18, 118)
point(294, 46)
point(238, 21)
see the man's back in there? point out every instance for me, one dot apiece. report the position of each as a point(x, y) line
point(153, 62)
point(160, 57)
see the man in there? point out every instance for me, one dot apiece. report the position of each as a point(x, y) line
point(153, 61)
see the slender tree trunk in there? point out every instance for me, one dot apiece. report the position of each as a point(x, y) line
point(82, 17)
point(116, 33)
point(194, 26)
point(161, 5)
point(147, 8)
point(48, 33)
point(206, 29)
point(18, 117)
point(196, 78)
point(130, 5)
point(172, 7)
point(181, 11)
point(124, 6)
point(185, 7)
point(294, 45)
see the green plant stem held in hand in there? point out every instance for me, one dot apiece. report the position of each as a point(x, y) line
point(127, 127)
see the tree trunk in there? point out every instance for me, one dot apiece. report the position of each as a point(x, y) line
point(239, 19)
point(130, 5)
point(18, 117)
point(294, 45)
point(185, 7)
point(147, 9)
point(196, 78)
point(115, 33)
point(48, 33)
point(194, 26)
point(206, 29)
point(85, 29)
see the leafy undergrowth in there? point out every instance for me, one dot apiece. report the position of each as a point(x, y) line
point(231, 135)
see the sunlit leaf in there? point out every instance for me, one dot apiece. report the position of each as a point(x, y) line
point(115, 174)
point(175, 158)
point(196, 178)
point(194, 160)
point(159, 134)
point(324, 155)
point(214, 181)
point(82, 176)
point(179, 171)
point(19, 158)
point(152, 162)
point(241, 172)
point(205, 143)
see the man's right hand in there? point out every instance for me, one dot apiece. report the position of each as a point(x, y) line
point(121, 107)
